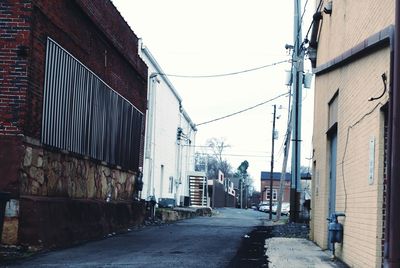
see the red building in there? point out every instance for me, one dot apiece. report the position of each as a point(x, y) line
point(72, 112)
point(265, 186)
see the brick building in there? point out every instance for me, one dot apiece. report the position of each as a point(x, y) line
point(352, 42)
point(276, 178)
point(72, 112)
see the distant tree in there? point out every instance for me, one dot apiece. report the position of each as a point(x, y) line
point(211, 165)
point(200, 162)
point(214, 162)
point(245, 183)
point(241, 173)
point(243, 167)
point(255, 197)
point(217, 145)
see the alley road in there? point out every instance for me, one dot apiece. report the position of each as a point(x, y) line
point(198, 242)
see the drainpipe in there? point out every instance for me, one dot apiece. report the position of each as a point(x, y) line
point(392, 250)
point(149, 154)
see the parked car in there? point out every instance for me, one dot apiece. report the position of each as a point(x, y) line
point(166, 202)
point(285, 208)
point(263, 207)
point(254, 206)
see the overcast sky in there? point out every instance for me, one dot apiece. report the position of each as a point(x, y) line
point(212, 37)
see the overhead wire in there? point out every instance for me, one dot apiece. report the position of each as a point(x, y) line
point(311, 24)
point(241, 155)
point(207, 147)
point(293, 61)
point(250, 70)
point(300, 27)
point(280, 152)
point(226, 74)
point(304, 11)
point(246, 155)
point(244, 110)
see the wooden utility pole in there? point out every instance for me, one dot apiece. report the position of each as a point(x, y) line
point(271, 177)
point(283, 172)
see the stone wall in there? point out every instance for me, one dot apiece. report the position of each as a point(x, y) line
point(176, 214)
point(65, 199)
point(61, 174)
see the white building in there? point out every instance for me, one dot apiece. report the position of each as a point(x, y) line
point(169, 139)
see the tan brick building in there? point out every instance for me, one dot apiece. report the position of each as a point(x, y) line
point(353, 58)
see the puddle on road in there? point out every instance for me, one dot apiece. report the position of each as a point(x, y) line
point(252, 252)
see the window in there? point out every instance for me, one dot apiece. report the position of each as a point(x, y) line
point(333, 110)
point(274, 194)
point(82, 114)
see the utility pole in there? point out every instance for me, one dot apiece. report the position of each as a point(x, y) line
point(283, 172)
point(241, 193)
point(297, 74)
point(271, 177)
point(246, 188)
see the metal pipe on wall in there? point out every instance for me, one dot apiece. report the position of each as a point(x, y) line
point(392, 250)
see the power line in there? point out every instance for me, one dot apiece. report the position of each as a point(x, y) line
point(226, 74)
point(241, 155)
point(304, 11)
point(247, 155)
point(312, 22)
point(208, 147)
point(300, 25)
point(244, 110)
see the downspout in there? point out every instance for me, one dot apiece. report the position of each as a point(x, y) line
point(150, 144)
point(187, 152)
point(392, 230)
point(389, 154)
point(178, 179)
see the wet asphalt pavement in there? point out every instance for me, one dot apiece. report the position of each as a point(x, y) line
point(197, 242)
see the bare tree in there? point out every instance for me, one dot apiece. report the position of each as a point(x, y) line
point(214, 162)
point(217, 145)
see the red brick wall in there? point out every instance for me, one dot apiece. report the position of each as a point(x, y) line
point(11, 157)
point(275, 185)
point(14, 37)
point(70, 26)
point(92, 31)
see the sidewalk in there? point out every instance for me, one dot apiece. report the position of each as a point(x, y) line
point(298, 253)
